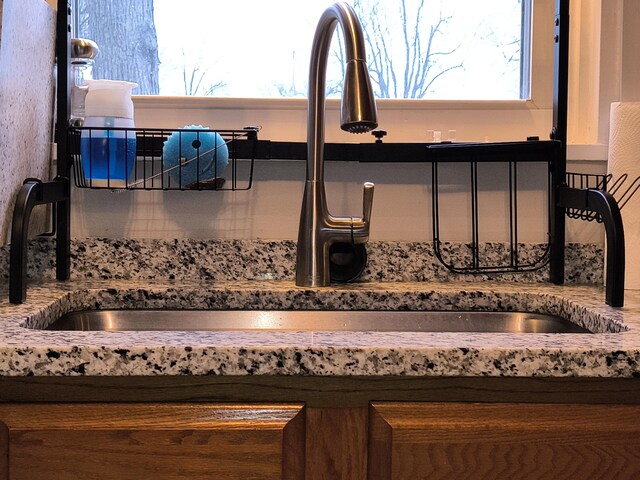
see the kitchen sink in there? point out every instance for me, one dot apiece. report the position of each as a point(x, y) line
point(314, 320)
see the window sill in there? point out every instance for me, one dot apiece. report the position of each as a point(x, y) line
point(596, 152)
point(404, 120)
point(406, 127)
point(188, 103)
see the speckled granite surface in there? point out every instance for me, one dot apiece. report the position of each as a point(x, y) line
point(26, 100)
point(614, 351)
point(102, 258)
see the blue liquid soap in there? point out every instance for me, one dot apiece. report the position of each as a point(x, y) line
point(108, 156)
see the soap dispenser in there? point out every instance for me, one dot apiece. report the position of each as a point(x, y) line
point(83, 54)
point(107, 145)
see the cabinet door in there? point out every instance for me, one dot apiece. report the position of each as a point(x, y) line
point(503, 441)
point(151, 441)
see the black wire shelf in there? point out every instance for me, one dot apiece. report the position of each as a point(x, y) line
point(476, 259)
point(162, 159)
point(622, 188)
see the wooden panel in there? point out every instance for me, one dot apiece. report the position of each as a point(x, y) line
point(504, 441)
point(336, 443)
point(153, 441)
point(319, 391)
point(4, 451)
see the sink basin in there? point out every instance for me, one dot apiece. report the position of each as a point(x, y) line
point(313, 320)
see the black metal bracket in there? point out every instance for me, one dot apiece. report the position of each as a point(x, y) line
point(56, 192)
point(33, 192)
point(605, 205)
point(559, 132)
point(567, 199)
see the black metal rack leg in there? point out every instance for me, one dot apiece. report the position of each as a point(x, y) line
point(35, 192)
point(604, 204)
point(25, 202)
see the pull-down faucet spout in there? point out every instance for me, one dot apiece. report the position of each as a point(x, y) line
point(318, 228)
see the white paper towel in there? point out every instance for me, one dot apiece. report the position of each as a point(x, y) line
point(624, 157)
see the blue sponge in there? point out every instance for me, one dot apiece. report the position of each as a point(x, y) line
point(194, 156)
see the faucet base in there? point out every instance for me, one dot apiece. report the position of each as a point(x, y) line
point(347, 262)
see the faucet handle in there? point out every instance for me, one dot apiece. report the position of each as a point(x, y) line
point(367, 201)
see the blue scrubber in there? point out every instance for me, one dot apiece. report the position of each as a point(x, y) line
point(194, 156)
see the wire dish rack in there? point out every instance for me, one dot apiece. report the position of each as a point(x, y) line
point(622, 188)
point(477, 174)
point(162, 159)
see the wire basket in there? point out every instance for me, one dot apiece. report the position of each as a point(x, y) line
point(622, 188)
point(162, 159)
point(478, 163)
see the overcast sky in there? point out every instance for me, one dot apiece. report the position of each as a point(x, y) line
point(254, 45)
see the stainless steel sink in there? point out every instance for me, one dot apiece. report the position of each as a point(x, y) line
point(313, 320)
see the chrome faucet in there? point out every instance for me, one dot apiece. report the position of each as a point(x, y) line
point(318, 228)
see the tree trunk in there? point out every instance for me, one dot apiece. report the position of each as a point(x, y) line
point(126, 35)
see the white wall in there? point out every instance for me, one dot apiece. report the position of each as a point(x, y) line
point(630, 84)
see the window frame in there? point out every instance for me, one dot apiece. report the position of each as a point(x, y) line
point(277, 116)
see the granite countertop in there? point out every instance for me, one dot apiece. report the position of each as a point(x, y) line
point(25, 349)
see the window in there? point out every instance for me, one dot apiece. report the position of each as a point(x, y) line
point(417, 49)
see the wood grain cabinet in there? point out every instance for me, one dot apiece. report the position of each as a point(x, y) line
point(390, 440)
point(151, 441)
point(503, 441)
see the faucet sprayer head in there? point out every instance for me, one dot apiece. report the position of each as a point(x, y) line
point(358, 112)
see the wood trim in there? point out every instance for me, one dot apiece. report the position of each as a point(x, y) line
point(293, 447)
point(380, 445)
point(4, 451)
point(108, 416)
point(337, 443)
point(319, 391)
point(449, 418)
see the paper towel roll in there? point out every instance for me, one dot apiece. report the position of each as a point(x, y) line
point(624, 157)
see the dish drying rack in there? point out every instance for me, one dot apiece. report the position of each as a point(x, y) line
point(472, 157)
point(150, 170)
point(574, 195)
point(581, 196)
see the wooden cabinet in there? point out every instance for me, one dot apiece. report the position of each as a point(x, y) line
point(384, 440)
point(151, 441)
point(503, 441)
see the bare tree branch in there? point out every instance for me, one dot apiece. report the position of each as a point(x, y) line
point(418, 66)
point(193, 78)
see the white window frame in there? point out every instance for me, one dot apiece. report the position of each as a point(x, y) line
point(405, 120)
